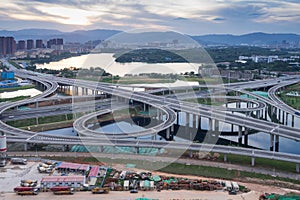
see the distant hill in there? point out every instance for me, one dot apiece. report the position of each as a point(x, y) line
point(247, 39)
point(102, 34)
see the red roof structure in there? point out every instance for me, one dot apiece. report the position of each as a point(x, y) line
point(63, 179)
point(94, 171)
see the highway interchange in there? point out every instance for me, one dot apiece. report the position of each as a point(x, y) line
point(167, 107)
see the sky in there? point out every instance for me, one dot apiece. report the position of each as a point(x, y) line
point(193, 17)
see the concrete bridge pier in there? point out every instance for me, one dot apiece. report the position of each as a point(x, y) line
point(210, 124)
point(100, 149)
point(286, 119)
point(82, 91)
point(191, 153)
point(271, 142)
point(187, 120)
point(199, 122)
point(194, 122)
point(298, 168)
point(36, 104)
point(276, 143)
point(216, 125)
point(266, 114)
point(25, 146)
point(137, 150)
point(153, 137)
point(168, 134)
point(293, 121)
point(252, 161)
point(246, 136)
point(240, 135)
point(225, 157)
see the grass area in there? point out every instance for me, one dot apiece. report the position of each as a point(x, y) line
point(292, 101)
point(15, 64)
point(25, 87)
point(19, 98)
point(182, 169)
point(260, 162)
point(42, 120)
point(205, 101)
point(49, 126)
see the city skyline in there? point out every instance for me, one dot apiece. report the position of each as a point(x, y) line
point(190, 17)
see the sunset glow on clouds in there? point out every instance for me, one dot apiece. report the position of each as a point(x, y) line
point(189, 16)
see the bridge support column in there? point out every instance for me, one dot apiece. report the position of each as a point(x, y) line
point(100, 149)
point(199, 122)
point(177, 117)
point(82, 91)
point(154, 137)
point(298, 168)
point(276, 143)
point(225, 157)
point(194, 121)
point(279, 115)
point(187, 120)
point(240, 135)
point(266, 113)
point(25, 146)
point(168, 134)
point(137, 150)
point(216, 125)
point(252, 161)
point(286, 118)
point(36, 104)
point(144, 107)
point(86, 91)
point(293, 121)
point(246, 136)
point(191, 154)
point(271, 142)
point(283, 117)
point(210, 124)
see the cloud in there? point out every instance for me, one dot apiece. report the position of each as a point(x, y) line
point(186, 16)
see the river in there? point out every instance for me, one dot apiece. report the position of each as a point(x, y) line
point(107, 62)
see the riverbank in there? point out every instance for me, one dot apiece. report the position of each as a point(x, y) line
point(25, 87)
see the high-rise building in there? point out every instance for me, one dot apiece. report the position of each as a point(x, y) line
point(2, 46)
point(50, 43)
point(21, 45)
point(30, 44)
point(7, 45)
point(39, 44)
point(55, 43)
point(59, 41)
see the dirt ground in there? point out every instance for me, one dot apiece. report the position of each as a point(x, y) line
point(11, 175)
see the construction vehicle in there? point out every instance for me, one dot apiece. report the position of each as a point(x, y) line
point(28, 183)
point(98, 190)
point(45, 170)
point(59, 190)
point(26, 190)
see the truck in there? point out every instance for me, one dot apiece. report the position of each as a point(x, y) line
point(59, 190)
point(19, 161)
point(26, 190)
point(98, 190)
